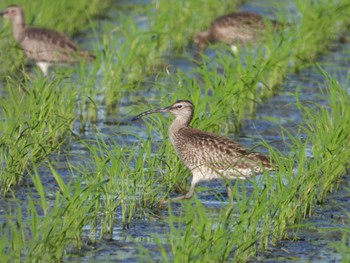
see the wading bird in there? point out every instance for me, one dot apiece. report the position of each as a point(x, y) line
point(44, 46)
point(233, 29)
point(207, 155)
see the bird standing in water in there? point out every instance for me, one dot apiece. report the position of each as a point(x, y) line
point(207, 155)
point(233, 29)
point(44, 46)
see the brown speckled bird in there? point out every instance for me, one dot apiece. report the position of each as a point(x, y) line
point(207, 155)
point(45, 46)
point(232, 29)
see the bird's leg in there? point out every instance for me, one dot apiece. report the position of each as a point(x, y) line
point(234, 50)
point(229, 194)
point(229, 191)
point(188, 195)
point(44, 66)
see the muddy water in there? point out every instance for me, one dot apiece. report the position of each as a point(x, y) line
point(313, 241)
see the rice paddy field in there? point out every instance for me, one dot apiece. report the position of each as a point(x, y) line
point(81, 182)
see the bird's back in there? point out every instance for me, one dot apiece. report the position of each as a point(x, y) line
point(238, 27)
point(46, 45)
point(198, 148)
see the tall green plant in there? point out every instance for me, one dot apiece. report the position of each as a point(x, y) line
point(35, 122)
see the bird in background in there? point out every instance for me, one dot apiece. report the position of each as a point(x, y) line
point(232, 29)
point(209, 156)
point(44, 46)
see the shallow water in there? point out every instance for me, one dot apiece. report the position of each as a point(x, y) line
point(313, 241)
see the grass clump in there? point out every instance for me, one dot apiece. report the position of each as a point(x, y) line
point(128, 186)
point(110, 187)
point(343, 247)
point(50, 229)
point(34, 125)
point(195, 237)
point(317, 33)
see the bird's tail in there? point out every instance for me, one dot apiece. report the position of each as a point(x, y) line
point(87, 56)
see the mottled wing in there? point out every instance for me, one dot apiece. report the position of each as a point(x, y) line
point(47, 45)
point(237, 27)
point(221, 154)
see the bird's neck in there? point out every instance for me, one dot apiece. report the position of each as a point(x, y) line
point(178, 124)
point(19, 25)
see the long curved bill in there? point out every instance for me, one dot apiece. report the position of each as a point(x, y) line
point(150, 112)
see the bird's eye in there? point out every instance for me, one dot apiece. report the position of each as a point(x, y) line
point(179, 106)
